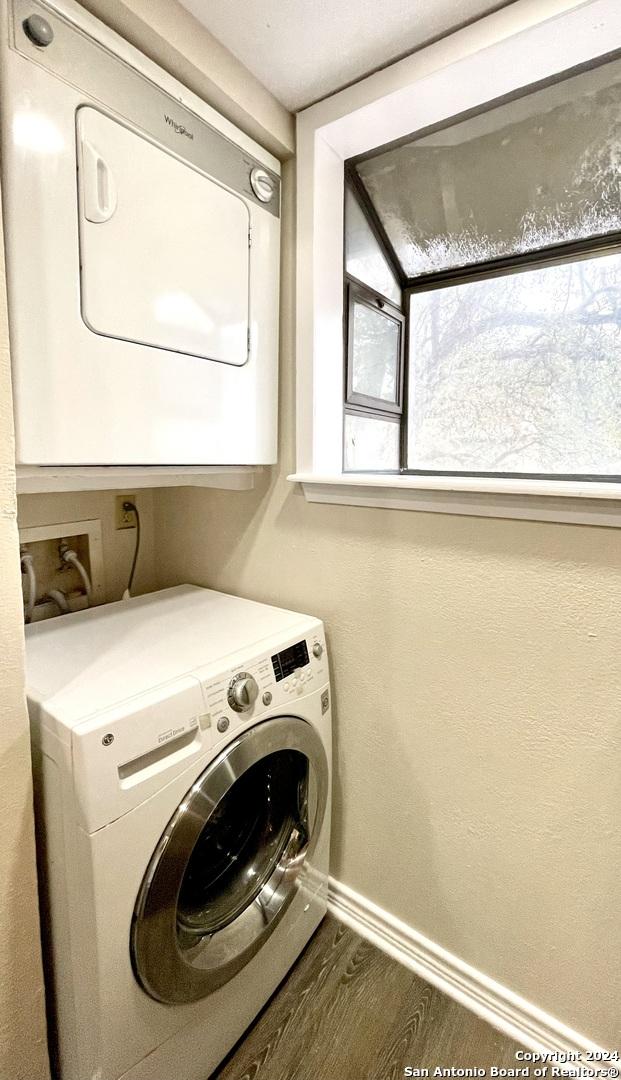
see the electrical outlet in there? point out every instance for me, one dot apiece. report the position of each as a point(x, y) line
point(125, 519)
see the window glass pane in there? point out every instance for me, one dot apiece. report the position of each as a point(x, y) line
point(375, 353)
point(535, 171)
point(371, 443)
point(364, 258)
point(519, 373)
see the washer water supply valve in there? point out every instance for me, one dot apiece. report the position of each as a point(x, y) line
point(62, 568)
point(70, 558)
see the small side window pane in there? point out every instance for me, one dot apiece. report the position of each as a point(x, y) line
point(364, 258)
point(371, 443)
point(519, 373)
point(375, 353)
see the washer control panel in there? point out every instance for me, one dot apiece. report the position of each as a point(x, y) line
point(270, 680)
point(291, 659)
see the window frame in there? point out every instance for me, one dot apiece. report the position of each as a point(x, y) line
point(500, 266)
point(357, 291)
point(508, 51)
point(359, 294)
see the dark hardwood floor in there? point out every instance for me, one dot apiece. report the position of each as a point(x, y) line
point(348, 1012)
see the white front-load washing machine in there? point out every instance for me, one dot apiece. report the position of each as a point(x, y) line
point(182, 752)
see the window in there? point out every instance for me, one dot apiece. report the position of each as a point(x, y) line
point(375, 345)
point(492, 244)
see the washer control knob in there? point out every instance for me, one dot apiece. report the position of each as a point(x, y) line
point(38, 30)
point(223, 724)
point(267, 698)
point(262, 184)
point(243, 692)
point(318, 649)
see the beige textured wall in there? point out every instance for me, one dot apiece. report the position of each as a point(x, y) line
point(23, 1050)
point(477, 681)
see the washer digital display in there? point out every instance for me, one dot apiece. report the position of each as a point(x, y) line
point(287, 661)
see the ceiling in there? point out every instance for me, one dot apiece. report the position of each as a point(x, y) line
point(304, 49)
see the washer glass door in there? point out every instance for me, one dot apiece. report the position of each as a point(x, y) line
point(229, 862)
point(260, 817)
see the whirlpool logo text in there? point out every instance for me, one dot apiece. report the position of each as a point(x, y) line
point(180, 129)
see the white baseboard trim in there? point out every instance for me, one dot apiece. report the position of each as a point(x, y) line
point(508, 1012)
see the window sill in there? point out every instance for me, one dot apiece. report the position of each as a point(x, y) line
point(571, 501)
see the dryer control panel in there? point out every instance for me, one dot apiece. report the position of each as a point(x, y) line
point(268, 681)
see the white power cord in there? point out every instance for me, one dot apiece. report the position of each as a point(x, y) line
point(28, 569)
point(68, 556)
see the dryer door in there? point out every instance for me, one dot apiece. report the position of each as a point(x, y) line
point(164, 250)
point(228, 864)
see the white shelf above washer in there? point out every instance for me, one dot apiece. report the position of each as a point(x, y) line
point(34, 479)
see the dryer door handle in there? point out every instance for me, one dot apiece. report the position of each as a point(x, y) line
point(98, 187)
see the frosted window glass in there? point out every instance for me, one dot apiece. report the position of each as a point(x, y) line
point(375, 354)
point(364, 258)
point(519, 373)
point(370, 443)
point(530, 173)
